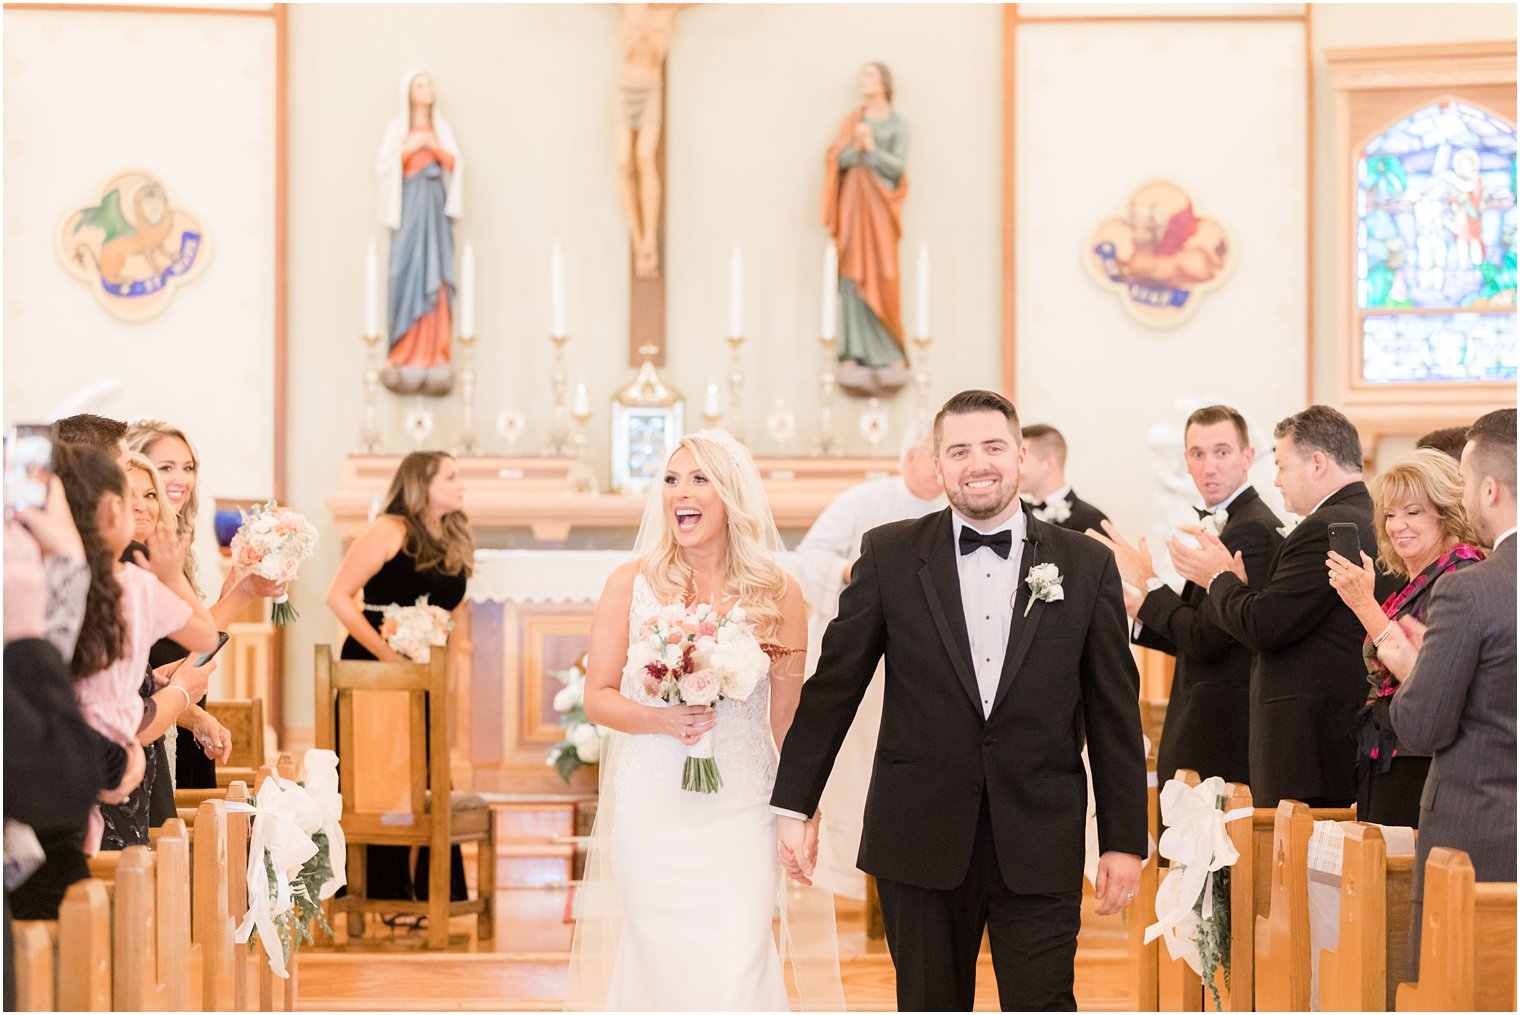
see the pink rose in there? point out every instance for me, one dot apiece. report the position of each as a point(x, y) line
point(707, 629)
point(700, 688)
point(676, 637)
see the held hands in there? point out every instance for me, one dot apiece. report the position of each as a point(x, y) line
point(865, 140)
point(1117, 881)
point(797, 846)
point(686, 723)
point(1199, 565)
point(1352, 582)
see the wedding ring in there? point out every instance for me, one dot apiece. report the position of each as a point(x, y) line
point(1131, 895)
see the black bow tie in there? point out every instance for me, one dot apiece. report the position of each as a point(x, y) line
point(1203, 513)
point(1036, 505)
point(1001, 543)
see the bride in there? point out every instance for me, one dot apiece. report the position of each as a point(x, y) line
point(682, 888)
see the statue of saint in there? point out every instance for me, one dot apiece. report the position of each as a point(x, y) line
point(863, 190)
point(421, 195)
point(644, 37)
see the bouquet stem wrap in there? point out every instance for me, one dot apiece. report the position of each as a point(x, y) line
point(701, 772)
point(281, 612)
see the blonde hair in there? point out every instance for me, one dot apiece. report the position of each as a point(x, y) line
point(1430, 476)
point(141, 436)
point(751, 572)
point(451, 549)
point(140, 463)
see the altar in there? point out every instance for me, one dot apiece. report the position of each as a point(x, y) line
point(530, 616)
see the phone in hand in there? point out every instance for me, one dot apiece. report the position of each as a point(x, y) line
point(28, 466)
point(206, 657)
point(1346, 540)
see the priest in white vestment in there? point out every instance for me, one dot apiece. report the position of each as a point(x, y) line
point(825, 556)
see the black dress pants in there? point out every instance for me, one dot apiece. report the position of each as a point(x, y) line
point(934, 937)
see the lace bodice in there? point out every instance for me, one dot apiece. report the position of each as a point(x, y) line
point(742, 742)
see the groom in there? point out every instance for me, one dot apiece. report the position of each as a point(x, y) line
point(977, 807)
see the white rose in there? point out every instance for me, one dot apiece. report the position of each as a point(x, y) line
point(736, 615)
point(1041, 573)
point(703, 687)
point(587, 738)
point(564, 700)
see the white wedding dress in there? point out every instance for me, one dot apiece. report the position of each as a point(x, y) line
point(697, 873)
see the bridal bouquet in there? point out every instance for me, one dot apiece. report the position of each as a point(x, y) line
point(696, 655)
point(271, 543)
point(415, 630)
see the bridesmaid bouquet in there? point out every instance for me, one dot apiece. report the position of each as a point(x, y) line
point(414, 630)
point(271, 543)
point(696, 655)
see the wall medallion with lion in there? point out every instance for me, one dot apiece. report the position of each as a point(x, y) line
point(132, 246)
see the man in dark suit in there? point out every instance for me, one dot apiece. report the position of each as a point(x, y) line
point(1307, 678)
point(1044, 486)
point(976, 812)
point(1457, 696)
point(1208, 713)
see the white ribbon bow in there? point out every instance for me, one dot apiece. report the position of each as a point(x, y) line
point(1198, 844)
point(322, 787)
point(282, 825)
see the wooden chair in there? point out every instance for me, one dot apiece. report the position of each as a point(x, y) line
point(1467, 940)
point(379, 811)
point(1363, 970)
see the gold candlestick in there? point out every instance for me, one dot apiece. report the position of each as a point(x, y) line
point(736, 388)
point(369, 432)
point(921, 372)
point(559, 430)
point(827, 442)
point(469, 437)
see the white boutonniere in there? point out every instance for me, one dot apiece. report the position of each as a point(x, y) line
point(1287, 530)
point(1214, 524)
point(1056, 512)
point(1044, 585)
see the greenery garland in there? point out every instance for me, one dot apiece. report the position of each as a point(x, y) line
point(1214, 936)
point(294, 924)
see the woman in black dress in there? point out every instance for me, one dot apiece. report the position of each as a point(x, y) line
point(420, 546)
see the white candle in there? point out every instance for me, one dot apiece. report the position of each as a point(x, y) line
point(829, 325)
point(923, 292)
point(557, 292)
point(736, 293)
point(711, 407)
point(581, 406)
point(467, 291)
point(371, 292)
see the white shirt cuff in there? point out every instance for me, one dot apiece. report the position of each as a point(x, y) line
point(783, 812)
point(1135, 631)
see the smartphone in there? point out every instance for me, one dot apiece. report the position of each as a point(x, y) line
point(28, 466)
point(221, 639)
point(1346, 540)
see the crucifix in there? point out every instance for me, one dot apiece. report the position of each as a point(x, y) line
point(644, 32)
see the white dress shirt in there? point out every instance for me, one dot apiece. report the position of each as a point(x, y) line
point(989, 585)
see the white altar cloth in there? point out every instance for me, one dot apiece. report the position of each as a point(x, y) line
point(554, 576)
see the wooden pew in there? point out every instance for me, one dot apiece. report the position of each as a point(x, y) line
point(1177, 986)
point(211, 918)
point(1467, 940)
point(1282, 929)
point(1142, 957)
point(1371, 957)
point(33, 957)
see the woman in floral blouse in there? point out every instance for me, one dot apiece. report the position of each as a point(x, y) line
point(1422, 534)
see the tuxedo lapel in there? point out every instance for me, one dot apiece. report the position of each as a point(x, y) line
point(1022, 634)
point(942, 588)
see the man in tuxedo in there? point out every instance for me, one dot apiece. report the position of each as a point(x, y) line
point(976, 812)
point(1456, 700)
point(1043, 479)
point(1208, 715)
point(1307, 678)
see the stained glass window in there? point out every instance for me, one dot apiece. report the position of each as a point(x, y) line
point(1435, 249)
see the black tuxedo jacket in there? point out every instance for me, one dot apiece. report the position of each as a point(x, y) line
point(1083, 515)
point(1208, 715)
point(1308, 680)
point(1068, 666)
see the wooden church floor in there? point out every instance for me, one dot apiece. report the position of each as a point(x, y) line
point(523, 969)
